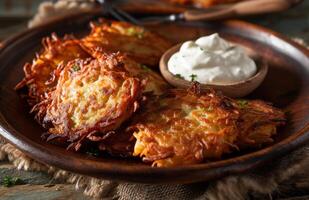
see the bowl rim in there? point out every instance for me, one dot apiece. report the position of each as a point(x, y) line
point(262, 69)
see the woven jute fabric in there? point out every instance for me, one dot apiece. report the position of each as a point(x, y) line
point(285, 177)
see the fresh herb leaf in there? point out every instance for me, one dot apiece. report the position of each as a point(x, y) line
point(135, 32)
point(75, 68)
point(208, 109)
point(242, 103)
point(131, 31)
point(179, 76)
point(93, 152)
point(9, 181)
point(230, 48)
point(145, 67)
point(193, 77)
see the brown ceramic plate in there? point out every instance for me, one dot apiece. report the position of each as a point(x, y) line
point(286, 85)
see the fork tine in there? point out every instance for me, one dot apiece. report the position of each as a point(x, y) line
point(126, 15)
point(107, 6)
point(116, 15)
point(107, 9)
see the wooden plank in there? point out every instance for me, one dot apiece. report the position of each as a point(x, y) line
point(41, 192)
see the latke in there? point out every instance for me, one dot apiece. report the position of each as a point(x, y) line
point(92, 98)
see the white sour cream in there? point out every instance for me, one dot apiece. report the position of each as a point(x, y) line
point(211, 60)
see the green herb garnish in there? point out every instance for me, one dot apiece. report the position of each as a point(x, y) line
point(75, 68)
point(193, 77)
point(179, 76)
point(145, 67)
point(134, 32)
point(242, 103)
point(230, 48)
point(9, 181)
point(93, 152)
point(208, 109)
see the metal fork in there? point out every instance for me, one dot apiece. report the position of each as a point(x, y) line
point(117, 13)
point(252, 7)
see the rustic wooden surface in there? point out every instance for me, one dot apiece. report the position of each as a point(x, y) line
point(294, 23)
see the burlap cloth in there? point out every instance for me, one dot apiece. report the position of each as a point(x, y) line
point(287, 177)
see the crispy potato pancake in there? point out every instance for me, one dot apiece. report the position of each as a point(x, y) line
point(185, 128)
point(143, 46)
point(41, 75)
point(92, 98)
point(190, 127)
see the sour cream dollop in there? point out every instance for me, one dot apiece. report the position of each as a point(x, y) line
point(212, 60)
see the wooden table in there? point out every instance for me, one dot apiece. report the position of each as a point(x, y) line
point(36, 185)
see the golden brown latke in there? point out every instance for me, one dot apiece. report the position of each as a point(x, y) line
point(142, 45)
point(190, 127)
point(41, 76)
point(185, 128)
point(92, 98)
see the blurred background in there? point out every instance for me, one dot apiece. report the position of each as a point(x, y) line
point(18, 8)
point(15, 14)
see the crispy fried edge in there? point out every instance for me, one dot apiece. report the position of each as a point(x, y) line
point(48, 43)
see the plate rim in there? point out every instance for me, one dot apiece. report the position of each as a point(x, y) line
point(232, 165)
